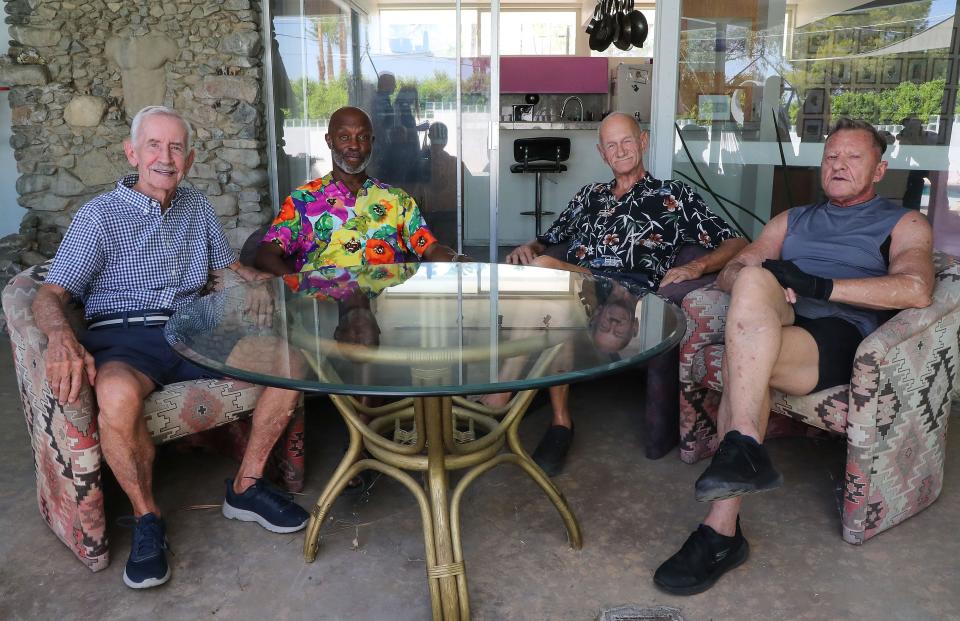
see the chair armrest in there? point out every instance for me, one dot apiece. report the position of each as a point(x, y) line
point(910, 349)
point(706, 312)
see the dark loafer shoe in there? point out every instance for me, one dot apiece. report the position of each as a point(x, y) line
point(551, 453)
point(701, 561)
point(740, 466)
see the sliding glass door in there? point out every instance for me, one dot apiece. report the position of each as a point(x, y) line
point(422, 73)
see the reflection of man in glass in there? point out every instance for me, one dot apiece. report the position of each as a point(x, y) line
point(384, 119)
point(440, 197)
point(613, 323)
point(914, 134)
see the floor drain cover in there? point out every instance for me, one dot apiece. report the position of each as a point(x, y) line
point(631, 612)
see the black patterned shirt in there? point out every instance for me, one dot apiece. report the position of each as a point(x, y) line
point(640, 233)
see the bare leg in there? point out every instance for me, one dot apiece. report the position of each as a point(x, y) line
point(274, 407)
point(761, 351)
point(124, 439)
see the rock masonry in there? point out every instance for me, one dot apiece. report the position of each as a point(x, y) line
point(79, 70)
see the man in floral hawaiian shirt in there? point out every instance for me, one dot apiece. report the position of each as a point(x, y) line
point(629, 229)
point(347, 218)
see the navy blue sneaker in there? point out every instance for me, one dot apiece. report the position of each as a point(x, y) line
point(147, 566)
point(267, 506)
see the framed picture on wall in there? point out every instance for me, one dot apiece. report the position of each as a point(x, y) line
point(840, 73)
point(939, 68)
point(890, 73)
point(813, 103)
point(816, 71)
point(917, 70)
point(812, 130)
point(845, 40)
point(866, 71)
point(816, 41)
point(869, 39)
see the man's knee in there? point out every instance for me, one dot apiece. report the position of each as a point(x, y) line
point(268, 354)
point(756, 283)
point(120, 392)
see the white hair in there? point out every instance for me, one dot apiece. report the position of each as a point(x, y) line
point(157, 111)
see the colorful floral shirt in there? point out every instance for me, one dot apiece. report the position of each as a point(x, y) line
point(640, 233)
point(331, 283)
point(323, 224)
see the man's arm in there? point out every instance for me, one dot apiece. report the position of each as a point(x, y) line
point(438, 253)
point(767, 246)
point(269, 258)
point(707, 264)
point(909, 281)
point(525, 254)
point(67, 362)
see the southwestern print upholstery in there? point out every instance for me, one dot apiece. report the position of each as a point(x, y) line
point(893, 413)
point(65, 439)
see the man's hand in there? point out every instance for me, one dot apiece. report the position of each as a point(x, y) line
point(525, 254)
point(803, 284)
point(687, 271)
point(258, 305)
point(68, 363)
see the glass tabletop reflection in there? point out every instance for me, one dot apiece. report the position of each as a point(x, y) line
point(424, 329)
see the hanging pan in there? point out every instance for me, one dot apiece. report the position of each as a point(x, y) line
point(638, 26)
point(603, 34)
point(623, 40)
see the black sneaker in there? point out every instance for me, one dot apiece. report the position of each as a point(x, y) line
point(147, 566)
point(267, 506)
point(704, 557)
point(741, 466)
point(551, 453)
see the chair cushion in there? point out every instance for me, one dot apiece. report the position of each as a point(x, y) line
point(185, 408)
point(826, 409)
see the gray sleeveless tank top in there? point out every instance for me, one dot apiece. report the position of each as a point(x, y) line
point(842, 242)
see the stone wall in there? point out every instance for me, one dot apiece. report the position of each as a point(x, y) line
point(80, 69)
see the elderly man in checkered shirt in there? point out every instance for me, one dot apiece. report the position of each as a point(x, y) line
point(134, 256)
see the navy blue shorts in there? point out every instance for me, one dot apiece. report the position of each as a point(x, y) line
point(144, 349)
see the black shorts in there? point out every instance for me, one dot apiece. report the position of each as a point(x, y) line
point(837, 341)
point(143, 348)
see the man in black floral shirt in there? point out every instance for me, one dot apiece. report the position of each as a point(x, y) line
point(629, 229)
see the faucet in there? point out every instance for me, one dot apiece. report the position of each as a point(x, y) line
point(564, 106)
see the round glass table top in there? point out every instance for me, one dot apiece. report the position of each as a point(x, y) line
point(424, 329)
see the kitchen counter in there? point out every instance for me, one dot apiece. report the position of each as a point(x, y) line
point(550, 125)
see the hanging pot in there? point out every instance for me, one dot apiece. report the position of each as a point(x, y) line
point(623, 40)
point(595, 19)
point(603, 34)
point(638, 27)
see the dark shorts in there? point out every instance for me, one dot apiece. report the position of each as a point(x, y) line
point(144, 349)
point(837, 341)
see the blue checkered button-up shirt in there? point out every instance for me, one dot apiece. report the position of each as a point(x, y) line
point(122, 254)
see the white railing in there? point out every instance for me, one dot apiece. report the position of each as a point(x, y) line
point(428, 111)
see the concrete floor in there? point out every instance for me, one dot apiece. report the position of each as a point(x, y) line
point(634, 514)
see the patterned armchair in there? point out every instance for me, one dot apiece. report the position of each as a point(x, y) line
point(65, 439)
point(893, 413)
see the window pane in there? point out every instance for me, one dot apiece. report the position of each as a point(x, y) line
point(753, 75)
point(542, 33)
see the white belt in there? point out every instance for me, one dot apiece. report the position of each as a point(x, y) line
point(121, 320)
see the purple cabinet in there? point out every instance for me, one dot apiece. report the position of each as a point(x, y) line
point(553, 74)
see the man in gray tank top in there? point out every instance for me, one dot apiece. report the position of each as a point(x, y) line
point(803, 295)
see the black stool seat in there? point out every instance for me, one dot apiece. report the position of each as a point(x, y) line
point(544, 167)
point(538, 156)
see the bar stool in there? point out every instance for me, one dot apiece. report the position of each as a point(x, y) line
point(538, 156)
